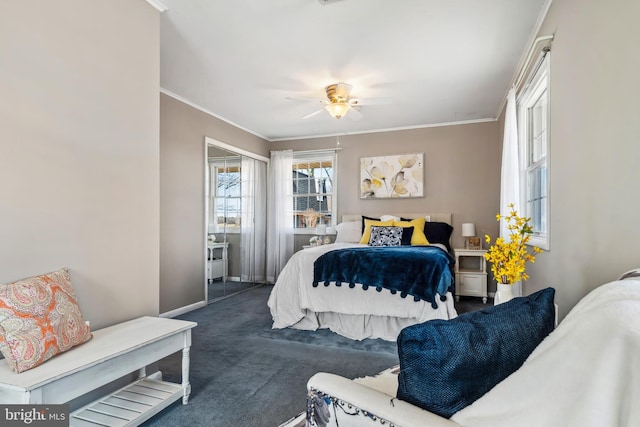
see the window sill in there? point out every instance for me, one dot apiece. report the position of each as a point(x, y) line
point(309, 231)
point(541, 242)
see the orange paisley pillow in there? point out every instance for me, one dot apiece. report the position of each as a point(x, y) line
point(39, 318)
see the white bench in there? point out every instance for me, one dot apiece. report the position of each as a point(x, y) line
point(112, 353)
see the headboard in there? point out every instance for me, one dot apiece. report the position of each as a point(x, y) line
point(433, 217)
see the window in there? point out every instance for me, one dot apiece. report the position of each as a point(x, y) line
point(314, 184)
point(533, 122)
point(226, 200)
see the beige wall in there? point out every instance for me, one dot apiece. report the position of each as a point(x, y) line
point(182, 173)
point(594, 173)
point(79, 131)
point(462, 172)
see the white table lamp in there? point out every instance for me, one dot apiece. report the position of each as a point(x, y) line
point(468, 230)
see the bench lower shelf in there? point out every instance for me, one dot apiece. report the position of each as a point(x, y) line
point(130, 406)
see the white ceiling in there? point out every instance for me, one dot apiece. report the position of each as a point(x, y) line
point(438, 61)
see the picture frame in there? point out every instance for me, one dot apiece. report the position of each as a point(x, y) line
point(474, 243)
point(393, 176)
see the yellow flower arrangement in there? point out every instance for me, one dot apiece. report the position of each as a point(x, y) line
point(508, 258)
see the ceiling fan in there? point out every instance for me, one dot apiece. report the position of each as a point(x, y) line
point(339, 102)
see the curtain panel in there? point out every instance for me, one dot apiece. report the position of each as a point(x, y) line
point(253, 220)
point(510, 171)
point(280, 213)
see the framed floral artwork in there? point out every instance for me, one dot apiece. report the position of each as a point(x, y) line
point(397, 176)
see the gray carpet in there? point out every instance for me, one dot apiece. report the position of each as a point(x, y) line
point(243, 373)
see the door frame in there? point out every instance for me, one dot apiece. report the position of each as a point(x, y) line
point(211, 142)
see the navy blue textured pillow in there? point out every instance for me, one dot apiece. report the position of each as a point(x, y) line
point(445, 365)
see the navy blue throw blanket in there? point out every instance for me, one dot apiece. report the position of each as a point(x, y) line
point(420, 271)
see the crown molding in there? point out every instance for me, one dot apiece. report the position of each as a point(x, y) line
point(158, 6)
point(204, 110)
point(396, 129)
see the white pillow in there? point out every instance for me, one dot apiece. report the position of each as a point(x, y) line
point(389, 218)
point(349, 232)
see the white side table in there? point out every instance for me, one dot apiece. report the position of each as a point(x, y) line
point(218, 260)
point(471, 273)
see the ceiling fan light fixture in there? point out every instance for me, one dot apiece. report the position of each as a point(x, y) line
point(337, 109)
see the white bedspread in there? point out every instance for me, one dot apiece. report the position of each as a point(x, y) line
point(352, 312)
point(584, 374)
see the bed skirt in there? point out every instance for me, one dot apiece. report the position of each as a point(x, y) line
point(361, 326)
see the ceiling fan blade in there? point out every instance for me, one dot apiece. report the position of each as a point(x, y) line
point(313, 113)
point(369, 101)
point(343, 90)
point(316, 100)
point(354, 114)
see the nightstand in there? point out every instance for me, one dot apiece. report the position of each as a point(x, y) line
point(471, 273)
point(217, 260)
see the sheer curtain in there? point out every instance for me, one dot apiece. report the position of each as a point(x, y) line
point(510, 173)
point(253, 175)
point(280, 212)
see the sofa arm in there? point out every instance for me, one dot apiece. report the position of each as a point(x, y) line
point(374, 402)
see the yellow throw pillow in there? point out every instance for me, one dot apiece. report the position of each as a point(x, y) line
point(366, 234)
point(418, 237)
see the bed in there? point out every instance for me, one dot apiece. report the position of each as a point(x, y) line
point(356, 310)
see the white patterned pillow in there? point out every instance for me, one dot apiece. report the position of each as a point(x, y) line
point(39, 318)
point(386, 236)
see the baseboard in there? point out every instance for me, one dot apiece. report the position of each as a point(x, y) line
point(183, 310)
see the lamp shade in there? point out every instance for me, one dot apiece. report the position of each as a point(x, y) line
point(337, 109)
point(321, 229)
point(468, 230)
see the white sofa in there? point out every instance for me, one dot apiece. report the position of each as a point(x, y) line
point(585, 373)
